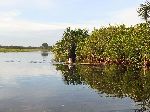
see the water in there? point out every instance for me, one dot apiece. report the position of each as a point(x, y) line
point(31, 82)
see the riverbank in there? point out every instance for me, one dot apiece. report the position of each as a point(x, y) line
point(18, 50)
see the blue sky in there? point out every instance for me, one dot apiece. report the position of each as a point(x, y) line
point(32, 22)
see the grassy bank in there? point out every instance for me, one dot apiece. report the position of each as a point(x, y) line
point(17, 50)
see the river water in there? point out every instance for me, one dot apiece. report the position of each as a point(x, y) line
point(31, 82)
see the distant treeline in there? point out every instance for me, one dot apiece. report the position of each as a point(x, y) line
point(19, 47)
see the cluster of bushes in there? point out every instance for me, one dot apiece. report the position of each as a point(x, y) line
point(107, 43)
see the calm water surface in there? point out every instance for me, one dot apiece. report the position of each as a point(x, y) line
point(30, 82)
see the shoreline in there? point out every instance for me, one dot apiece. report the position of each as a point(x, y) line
point(5, 50)
point(144, 65)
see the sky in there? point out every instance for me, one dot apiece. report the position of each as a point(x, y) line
point(33, 22)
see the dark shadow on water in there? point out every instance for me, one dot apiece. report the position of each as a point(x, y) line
point(114, 80)
point(44, 53)
point(70, 75)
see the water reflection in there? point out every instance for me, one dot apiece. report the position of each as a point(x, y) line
point(113, 80)
point(44, 53)
point(70, 74)
point(34, 85)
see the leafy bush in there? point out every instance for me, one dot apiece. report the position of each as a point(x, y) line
point(113, 42)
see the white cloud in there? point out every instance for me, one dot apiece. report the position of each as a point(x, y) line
point(19, 4)
point(9, 24)
point(44, 4)
point(9, 21)
point(9, 15)
point(16, 31)
point(7, 2)
point(127, 16)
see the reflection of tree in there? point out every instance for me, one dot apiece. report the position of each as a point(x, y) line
point(44, 53)
point(70, 75)
point(113, 80)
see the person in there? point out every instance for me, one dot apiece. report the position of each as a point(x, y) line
point(72, 54)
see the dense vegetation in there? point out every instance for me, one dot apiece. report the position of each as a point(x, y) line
point(61, 48)
point(115, 43)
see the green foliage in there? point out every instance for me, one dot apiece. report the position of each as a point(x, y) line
point(95, 45)
point(60, 49)
point(45, 45)
point(118, 42)
point(144, 10)
point(113, 42)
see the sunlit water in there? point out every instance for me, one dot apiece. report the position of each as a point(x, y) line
point(29, 82)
